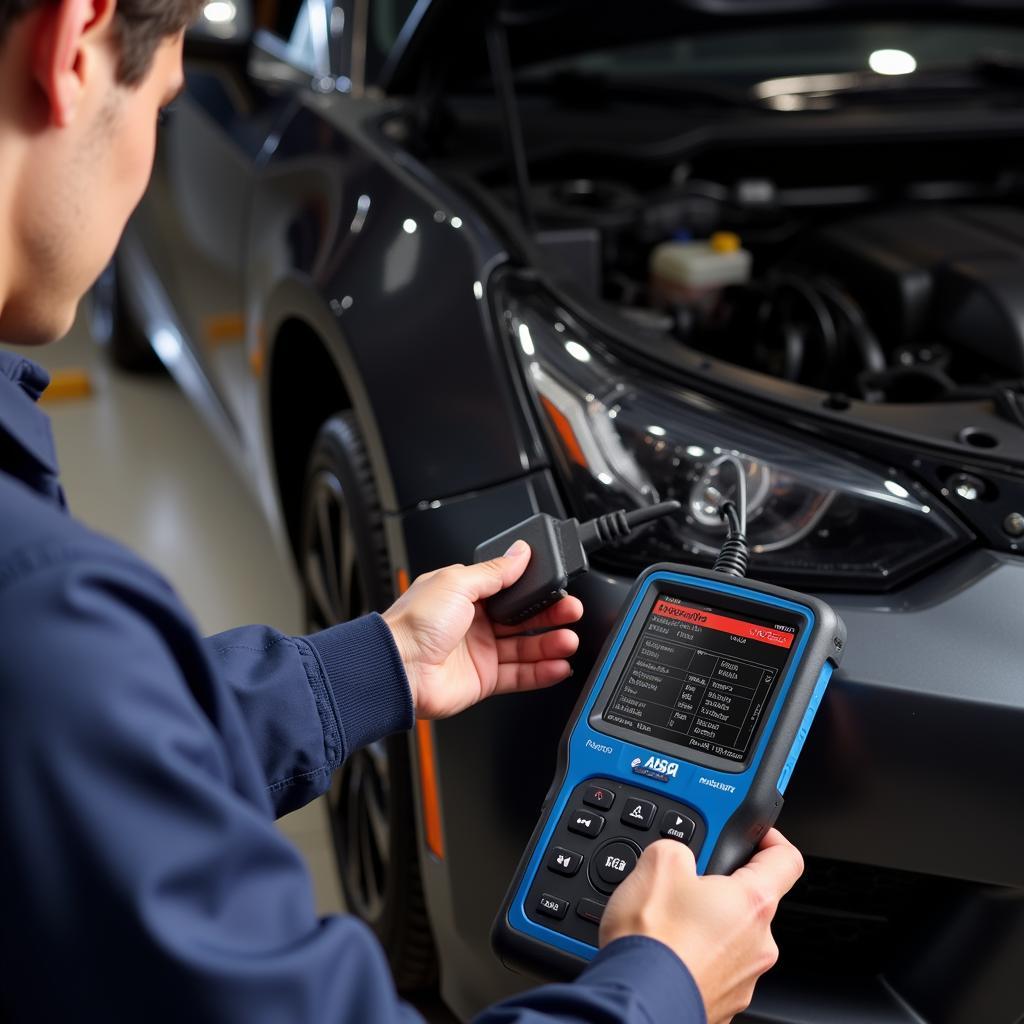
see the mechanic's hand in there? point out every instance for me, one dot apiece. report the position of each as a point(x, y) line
point(718, 925)
point(455, 656)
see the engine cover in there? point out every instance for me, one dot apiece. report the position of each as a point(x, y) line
point(952, 276)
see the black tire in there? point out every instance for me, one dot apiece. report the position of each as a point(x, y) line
point(112, 325)
point(346, 573)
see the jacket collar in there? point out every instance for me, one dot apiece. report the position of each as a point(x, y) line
point(21, 420)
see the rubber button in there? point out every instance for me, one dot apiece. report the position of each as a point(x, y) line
point(586, 823)
point(638, 813)
point(677, 826)
point(563, 861)
point(590, 910)
point(598, 796)
point(552, 906)
point(613, 862)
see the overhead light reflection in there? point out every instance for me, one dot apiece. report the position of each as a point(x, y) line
point(478, 289)
point(803, 85)
point(456, 222)
point(167, 345)
point(220, 12)
point(897, 490)
point(362, 209)
point(892, 62)
point(525, 340)
point(577, 351)
point(409, 226)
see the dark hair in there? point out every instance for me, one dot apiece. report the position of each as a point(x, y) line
point(141, 26)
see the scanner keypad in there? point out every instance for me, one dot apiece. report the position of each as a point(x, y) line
point(590, 853)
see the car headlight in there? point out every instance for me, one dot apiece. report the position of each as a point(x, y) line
point(623, 439)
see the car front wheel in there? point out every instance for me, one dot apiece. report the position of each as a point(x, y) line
point(346, 573)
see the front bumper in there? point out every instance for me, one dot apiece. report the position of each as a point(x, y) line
point(907, 799)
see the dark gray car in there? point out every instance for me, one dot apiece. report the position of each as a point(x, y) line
point(400, 258)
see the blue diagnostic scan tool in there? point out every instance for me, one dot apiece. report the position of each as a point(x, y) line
point(688, 728)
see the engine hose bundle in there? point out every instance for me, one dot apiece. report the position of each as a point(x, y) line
point(812, 332)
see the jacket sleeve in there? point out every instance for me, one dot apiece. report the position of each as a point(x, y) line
point(144, 878)
point(308, 702)
point(634, 980)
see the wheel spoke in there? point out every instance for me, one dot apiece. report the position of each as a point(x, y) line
point(378, 821)
point(328, 548)
point(351, 862)
point(378, 755)
point(318, 590)
point(348, 568)
point(370, 864)
point(361, 809)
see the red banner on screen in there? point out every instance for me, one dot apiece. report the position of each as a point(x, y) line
point(709, 620)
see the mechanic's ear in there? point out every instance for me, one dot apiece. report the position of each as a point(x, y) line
point(73, 41)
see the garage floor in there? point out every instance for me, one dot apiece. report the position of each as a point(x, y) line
point(139, 465)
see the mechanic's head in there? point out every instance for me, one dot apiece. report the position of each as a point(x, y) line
point(82, 83)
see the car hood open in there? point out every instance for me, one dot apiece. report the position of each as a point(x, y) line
point(449, 34)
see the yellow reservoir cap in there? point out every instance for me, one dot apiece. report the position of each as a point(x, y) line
point(725, 241)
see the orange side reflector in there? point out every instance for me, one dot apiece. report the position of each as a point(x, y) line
point(66, 384)
point(565, 431)
point(428, 786)
point(427, 768)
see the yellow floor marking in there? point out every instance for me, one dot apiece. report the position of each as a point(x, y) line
point(73, 382)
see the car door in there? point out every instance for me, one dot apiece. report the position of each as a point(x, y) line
point(194, 216)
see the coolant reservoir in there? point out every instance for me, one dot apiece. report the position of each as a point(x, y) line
point(695, 271)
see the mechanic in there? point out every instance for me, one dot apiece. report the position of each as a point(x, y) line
point(142, 766)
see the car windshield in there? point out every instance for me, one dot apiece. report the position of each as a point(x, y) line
point(758, 54)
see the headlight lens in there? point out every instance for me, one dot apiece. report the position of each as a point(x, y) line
point(623, 439)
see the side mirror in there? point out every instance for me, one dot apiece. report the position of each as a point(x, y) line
point(223, 27)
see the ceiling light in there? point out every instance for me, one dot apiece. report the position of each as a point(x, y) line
point(892, 62)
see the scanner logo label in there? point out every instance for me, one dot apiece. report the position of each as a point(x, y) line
point(655, 768)
point(715, 784)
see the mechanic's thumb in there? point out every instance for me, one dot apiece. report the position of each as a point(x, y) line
point(487, 578)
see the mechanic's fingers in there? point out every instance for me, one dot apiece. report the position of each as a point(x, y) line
point(487, 578)
point(667, 855)
point(515, 677)
point(775, 867)
point(561, 643)
point(569, 609)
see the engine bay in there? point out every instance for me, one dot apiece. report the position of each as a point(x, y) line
point(878, 275)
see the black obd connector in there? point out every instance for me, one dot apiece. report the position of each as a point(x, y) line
point(559, 549)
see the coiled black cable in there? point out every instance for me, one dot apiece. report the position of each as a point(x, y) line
point(733, 557)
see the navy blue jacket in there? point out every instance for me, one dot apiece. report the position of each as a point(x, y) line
point(142, 768)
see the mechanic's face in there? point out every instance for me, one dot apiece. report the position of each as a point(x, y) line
point(89, 168)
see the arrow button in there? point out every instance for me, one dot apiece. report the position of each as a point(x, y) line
point(677, 826)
